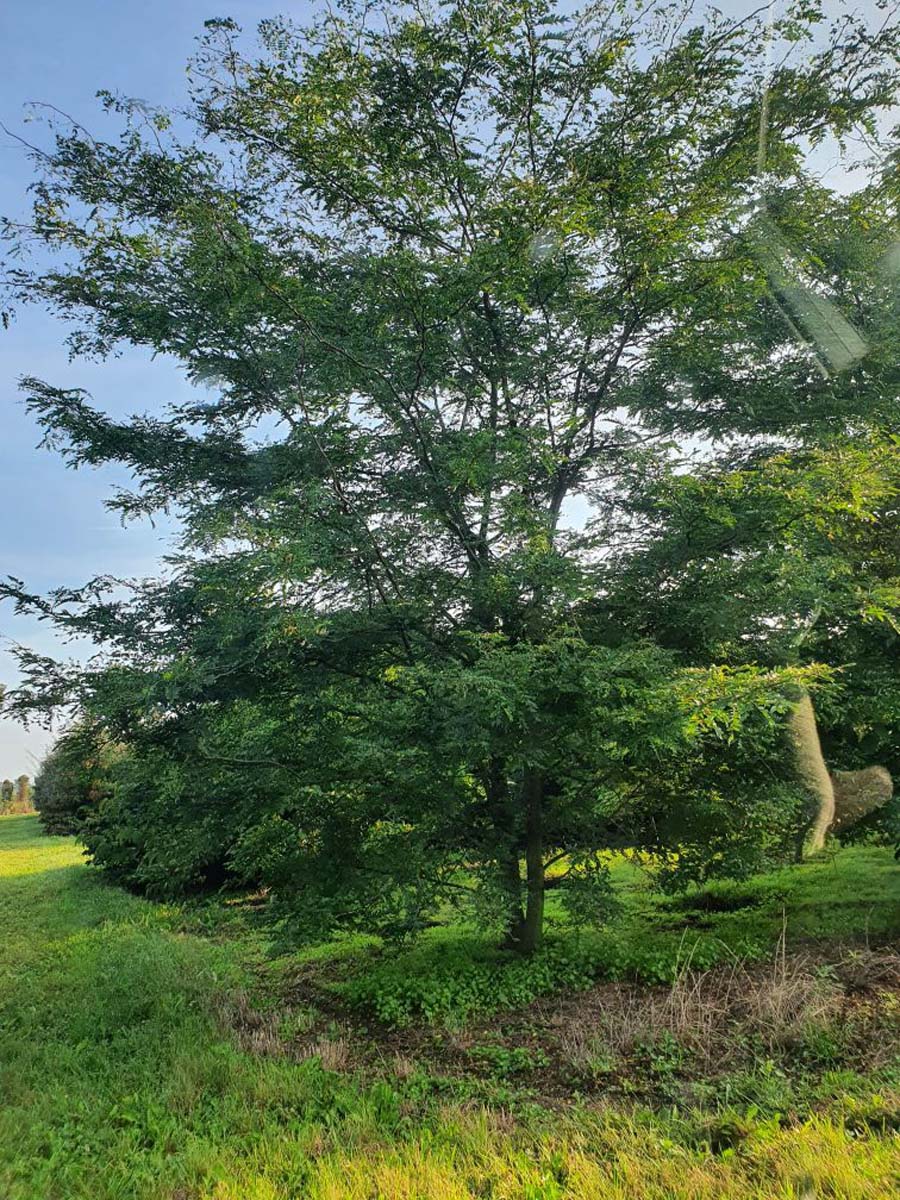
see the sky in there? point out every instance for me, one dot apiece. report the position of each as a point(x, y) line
point(54, 530)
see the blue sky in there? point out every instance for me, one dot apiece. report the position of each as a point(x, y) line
point(54, 529)
point(53, 526)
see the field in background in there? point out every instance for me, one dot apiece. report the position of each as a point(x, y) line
point(151, 1051)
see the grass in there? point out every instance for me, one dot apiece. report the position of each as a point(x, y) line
point(154, 1053)
point(452, 974)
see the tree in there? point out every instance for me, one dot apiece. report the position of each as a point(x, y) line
point(23, 794)
point(712, 582)
point(446, 271)
point(7, 791)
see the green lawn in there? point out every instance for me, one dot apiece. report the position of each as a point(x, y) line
point(149, 1051)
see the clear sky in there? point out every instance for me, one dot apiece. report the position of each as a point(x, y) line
point(54, 529)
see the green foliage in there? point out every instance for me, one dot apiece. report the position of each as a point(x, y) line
point(444, 272)
point(662, 1056)
point(449, 977)
point(463, 978)
point(824, 590)
point(166, 824)
point(73, 778)
point(456, 984)
point(503, 1061)
point(185, 812)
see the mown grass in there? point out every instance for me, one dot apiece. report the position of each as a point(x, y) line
point(142, 1059)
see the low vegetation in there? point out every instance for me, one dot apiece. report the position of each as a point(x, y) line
point(160, 1052)
point(450, 974)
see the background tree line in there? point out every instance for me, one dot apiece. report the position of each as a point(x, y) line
point(16, 796)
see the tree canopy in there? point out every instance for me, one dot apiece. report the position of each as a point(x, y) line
point(441, 274)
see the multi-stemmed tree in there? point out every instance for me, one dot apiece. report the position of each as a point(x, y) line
point(450, 277)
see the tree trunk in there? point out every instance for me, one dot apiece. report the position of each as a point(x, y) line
point(501, 809)
point(533, 925)
point(813, 775)
point(837, 800)
point(514, 916)
point(524, 927)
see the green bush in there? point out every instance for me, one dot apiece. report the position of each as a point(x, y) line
point(73, 778)
point(176, 807)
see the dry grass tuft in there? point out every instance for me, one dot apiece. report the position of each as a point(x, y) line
point(778, 1007)
point(709, 1013)
point(257, 1032)
point(869, 970)
point(403, 1067)
point(333, 1053)
point(500, 1121)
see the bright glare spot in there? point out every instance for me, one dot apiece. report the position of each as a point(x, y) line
point(543, 245)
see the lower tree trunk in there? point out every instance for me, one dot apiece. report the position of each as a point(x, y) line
point(514, 916)
point(524, 925)
point(812, 774)
point(502, 812)
point(532, 929)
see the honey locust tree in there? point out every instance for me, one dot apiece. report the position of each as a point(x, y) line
point(443, 272)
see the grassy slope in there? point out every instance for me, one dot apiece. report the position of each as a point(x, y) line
point(132, 1065)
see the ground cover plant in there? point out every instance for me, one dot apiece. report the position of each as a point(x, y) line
point(653, 939)
point(158, 1052)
